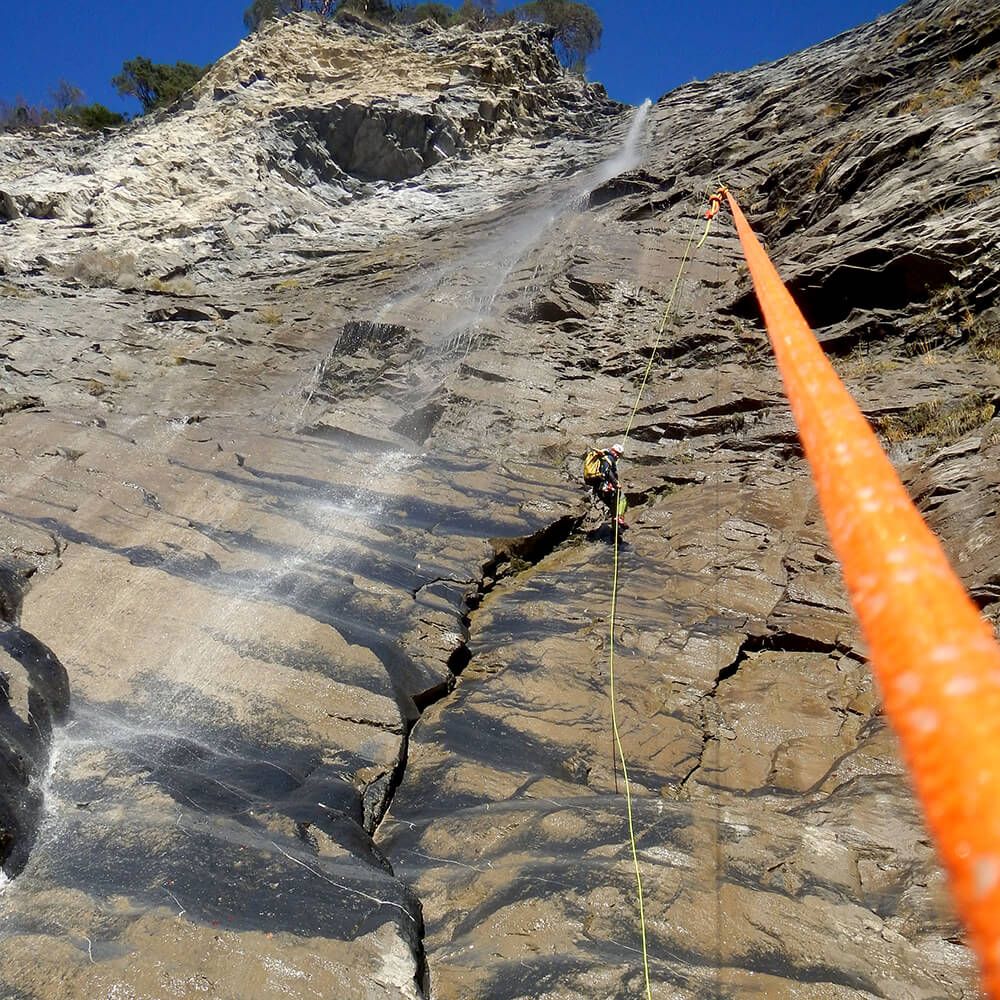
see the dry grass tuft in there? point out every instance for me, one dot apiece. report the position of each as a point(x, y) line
point(970, 88)
point(936, 419)
point(984, 336)
point(104, 269)
point(270, 316)
point(175, 286)
point(927, 349)
point(941, 97)
point(822, 167)
point(859, 365)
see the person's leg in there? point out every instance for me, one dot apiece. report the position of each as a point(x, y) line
point(610, 500)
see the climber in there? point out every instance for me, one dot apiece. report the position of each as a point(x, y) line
point(600, 473)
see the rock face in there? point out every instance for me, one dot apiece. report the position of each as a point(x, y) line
point(284, 133)
point(297, 378)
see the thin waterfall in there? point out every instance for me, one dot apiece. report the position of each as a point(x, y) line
point(489, 266)
point(629, 157)
point(520, 236)
point(499, 256)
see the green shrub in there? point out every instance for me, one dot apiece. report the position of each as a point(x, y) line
point(21, 114)
point(156, 84)
point(91, 116)
point(578, 28)
point(261, 11)
point(67, 106)
point(440, 12)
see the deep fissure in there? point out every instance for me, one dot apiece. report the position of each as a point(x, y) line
point(510, 557)
point(781, 642)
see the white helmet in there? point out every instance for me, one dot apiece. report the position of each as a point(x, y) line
point(617, 450)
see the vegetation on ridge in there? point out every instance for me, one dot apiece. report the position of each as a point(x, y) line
point(67, 107)
point(577, 35)
point(578, 28)
point(945, 421)
point(156, 84)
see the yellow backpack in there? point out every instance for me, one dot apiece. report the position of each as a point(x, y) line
point(592, 466)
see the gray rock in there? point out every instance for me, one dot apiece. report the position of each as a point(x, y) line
point(320, 350)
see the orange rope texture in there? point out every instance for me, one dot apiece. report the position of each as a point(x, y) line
point(935, 658)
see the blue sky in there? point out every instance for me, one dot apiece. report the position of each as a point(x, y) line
point(650, 46)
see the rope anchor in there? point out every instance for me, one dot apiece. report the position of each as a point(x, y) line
point(714, 207)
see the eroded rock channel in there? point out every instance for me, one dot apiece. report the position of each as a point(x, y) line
point(293, 399)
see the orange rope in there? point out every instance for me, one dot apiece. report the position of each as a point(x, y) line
point(936, 660)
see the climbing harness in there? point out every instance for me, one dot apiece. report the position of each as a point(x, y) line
point(620, 506)
point(936, 659)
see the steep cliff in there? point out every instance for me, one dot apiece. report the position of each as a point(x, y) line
point(297, 375)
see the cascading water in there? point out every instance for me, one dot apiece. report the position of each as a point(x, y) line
point(467, 292)
point(524, 232)
point(630, 156)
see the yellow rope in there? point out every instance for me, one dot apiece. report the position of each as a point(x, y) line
point(663, 325)
point(708, 229)
point(614, 612)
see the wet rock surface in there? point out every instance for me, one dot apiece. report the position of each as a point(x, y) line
point(292, 423)
point(34, 697)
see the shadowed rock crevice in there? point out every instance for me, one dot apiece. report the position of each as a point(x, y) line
point(34, 698)
point(875, 279)
point(510, 557)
